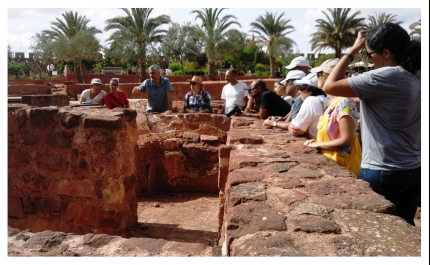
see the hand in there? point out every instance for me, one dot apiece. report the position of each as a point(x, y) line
point(135, 90)
point(268, 123)
point(168, 112)
point(310, 143)
point(359, 41)
point(295, 131)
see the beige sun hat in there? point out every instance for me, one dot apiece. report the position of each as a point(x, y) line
point(327, 66)
point(197, 79)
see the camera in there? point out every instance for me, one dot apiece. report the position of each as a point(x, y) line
point(235, 110)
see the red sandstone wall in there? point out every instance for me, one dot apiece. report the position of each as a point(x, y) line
point(179, 153)
point(71, 169)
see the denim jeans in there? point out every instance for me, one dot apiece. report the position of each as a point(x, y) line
point(402, 188)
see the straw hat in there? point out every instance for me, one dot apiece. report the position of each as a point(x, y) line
point(197, 79)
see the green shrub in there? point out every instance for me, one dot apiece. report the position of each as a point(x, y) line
point(175, 66)
point(265, 73)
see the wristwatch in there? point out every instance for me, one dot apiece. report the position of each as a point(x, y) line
point(274, 124)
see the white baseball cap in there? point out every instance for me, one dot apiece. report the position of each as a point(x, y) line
point(298, 61)
point(311, 80)
point(96, 81)
point(293, 74)
point(327, 66)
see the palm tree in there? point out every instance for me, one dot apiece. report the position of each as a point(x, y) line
point(212, 32)
point(415, 30)
point(139, 28)
point(271, 32)
point(338, 31)
point(71, 25)
point(380, 19)
point(68, 29)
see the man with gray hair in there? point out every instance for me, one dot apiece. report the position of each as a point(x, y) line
point(159, 91)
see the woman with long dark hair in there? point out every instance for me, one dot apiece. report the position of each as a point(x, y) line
point(390, 107)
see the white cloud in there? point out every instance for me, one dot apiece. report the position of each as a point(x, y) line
point(23, 22)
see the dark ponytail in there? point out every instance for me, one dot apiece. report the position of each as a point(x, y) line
point(394, 38)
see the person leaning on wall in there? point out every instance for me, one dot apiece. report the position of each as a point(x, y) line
point(337, 138)
point(159, 91)
point(116, 98)
point(93, 95)
point(197, 100)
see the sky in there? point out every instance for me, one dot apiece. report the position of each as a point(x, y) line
point(24, 22)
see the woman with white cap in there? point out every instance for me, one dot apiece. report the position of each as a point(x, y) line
point(337, 138)
point(93, 95)
point(314, 103)
point(197, 100)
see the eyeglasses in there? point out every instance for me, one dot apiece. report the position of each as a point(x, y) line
point(369, 54)
point(193, 84)
point(303, 87)
point(253, 88)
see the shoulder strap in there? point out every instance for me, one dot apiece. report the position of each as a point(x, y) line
point(333, 106)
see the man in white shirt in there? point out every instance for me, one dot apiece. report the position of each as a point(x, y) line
point(235, 92)
point(49, 68)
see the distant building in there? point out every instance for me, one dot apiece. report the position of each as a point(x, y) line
point(20, 57)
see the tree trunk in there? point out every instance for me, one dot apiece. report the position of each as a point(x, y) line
point(211, 71)
point(81, 70)
point(181, 59)
point(338, 52)
point(78, 71)
point(142, 72)
point(272, 67)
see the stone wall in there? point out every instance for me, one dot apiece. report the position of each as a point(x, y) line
point(71, 169)
point(179, 153)
point(80, 169)
point(281, 198)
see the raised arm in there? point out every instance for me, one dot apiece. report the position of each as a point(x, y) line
point(336, 83)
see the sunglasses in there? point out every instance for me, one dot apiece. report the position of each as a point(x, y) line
point(193, 84)
point(369, 54)
point(319, 74)
point(303, 87)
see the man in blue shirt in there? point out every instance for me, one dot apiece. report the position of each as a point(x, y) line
point(159, 91)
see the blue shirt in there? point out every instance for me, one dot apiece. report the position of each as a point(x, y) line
point(157, 94)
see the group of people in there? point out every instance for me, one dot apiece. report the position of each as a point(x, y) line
point(96, 95)
point(316, 102)
point(388, 156)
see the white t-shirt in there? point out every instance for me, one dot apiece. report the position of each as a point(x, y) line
point(234, 95)
point(310, 111)
point(86, 96)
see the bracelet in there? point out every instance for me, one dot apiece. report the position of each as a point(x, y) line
point(349, 56)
